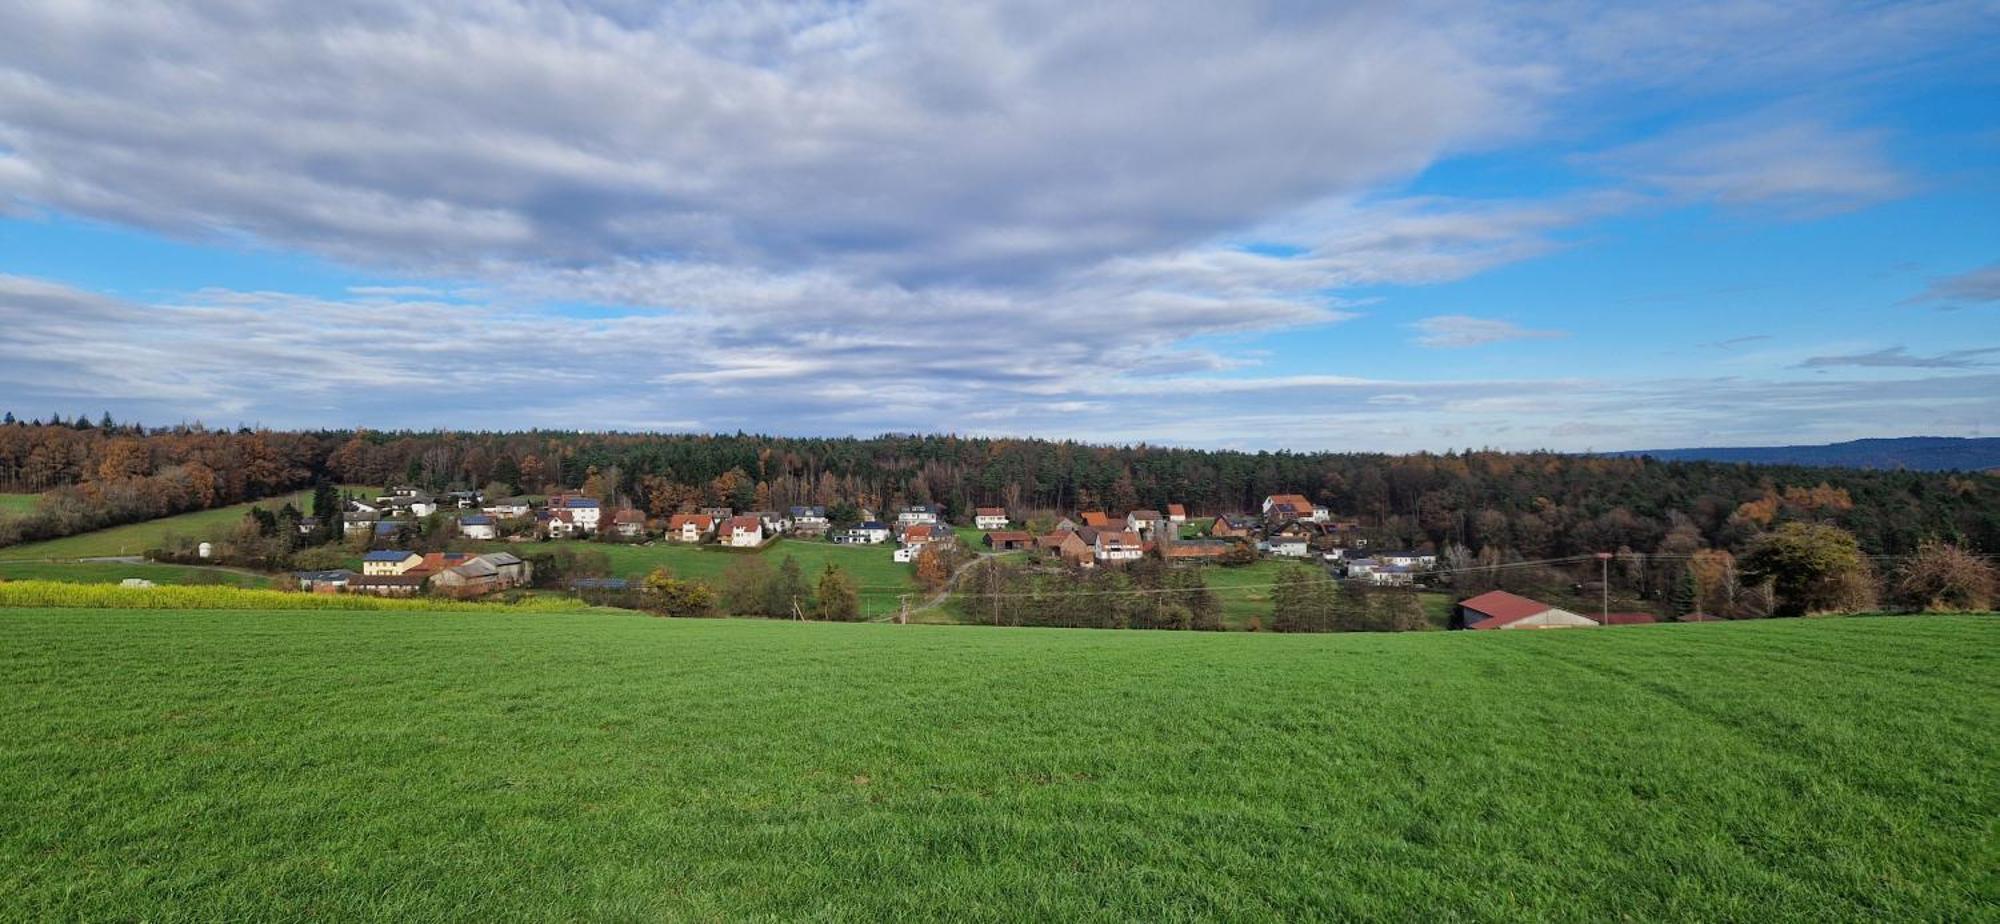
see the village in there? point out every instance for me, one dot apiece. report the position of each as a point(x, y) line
point(1285, 527)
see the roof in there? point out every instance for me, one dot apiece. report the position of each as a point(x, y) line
point(387, 580)
point(1298, 502)
point(743, 522)
point(1176, 510)
point(503, 559)
point(1500, 607)
point(919, 531)
point(1630, 619)
point(478, 567)
point(388, 526)
point(1117, 537)
point(580, 502)
point(990, 511)
point(700, 520)
point(808, 511)
point(340, 574)
point(599, 584)
point(1009, 535)
point(477, 519)
point(1094, 518)
point(873, 524)
point(388, 555)
point(628, 515)
point(1144, 515)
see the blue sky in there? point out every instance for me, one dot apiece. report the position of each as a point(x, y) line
point(1365, 226)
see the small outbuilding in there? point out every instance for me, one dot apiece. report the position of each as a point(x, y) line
point(1499, 609)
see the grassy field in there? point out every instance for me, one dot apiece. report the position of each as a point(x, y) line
point(136, 538)
point(870, 566)
point(18, 503)
point(418, 767)
point(112, 573)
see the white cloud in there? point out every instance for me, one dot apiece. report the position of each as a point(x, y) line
point(1452, 331)
point(1798, 166)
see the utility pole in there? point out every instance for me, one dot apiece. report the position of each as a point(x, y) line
point(1604, 586)
point(903, 617)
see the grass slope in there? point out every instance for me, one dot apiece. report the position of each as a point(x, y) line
point(18, 503)
point(556, 767)
point(112, 573)
point(872, 567)
point(136, 538)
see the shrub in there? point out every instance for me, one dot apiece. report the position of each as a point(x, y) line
point(1944, 577)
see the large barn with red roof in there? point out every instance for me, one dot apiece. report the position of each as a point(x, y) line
point(1499, 609)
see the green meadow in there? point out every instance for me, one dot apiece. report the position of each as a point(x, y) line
point(478, 766)
point(136, 538)
point(18, 503)
point(881, 578)
point(113, 572)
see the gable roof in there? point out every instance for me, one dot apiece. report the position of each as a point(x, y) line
point(1144, 515)
point(1094, 518)
point(701, 521)
point(990, 511)
point(1298, 502)
point(1500, 608)
point(477, 519)
point(919, 531)
point(503, 559)
point(1176, 510)
point(628, 515)
point(388, 555)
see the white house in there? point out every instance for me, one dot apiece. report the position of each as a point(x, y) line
point(1144, 522)
point(1285, 546)
point(509, 508)
point(560, 524)
point(584, 511)
point(806, 519)
point(742, 532)
point(990, 518)
point(689, 527)
point(918, 513)
point(389, 562)
point(477, 526)
point(1294, 507)
point(1176, 514)
point(1392, 576)
point(629, 523)
point(1407, 559)
point(1118, 546)
point(872, 532)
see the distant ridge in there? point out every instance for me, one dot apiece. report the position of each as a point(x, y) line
point(1916, 453)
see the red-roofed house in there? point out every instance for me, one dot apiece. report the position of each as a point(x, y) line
point(1293, 507)
point(990, 518)
point(629, 523)
point(1176, 514)
point(689, 527)
point(1499, 609)
point(1095, 518)
point(742, 532)
point(1008, 540)
point(1121, 545)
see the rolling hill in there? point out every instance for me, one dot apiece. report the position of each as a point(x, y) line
point(1916, 453)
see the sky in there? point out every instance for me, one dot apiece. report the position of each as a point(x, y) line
point(1313, 226)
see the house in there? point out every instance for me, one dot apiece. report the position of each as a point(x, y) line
point(511, 508)
point(1118, 545)
point(477, 526)
point(1293, 507)
point(1499, 609)
point(989, 518)
point(1234, 526)
point(773, 523)
point(1362, 566)
point(1008, 540)
point(1095, 518)
point(1075, 550)
point(416, 504)
point(689, 527)
point(387, 585)
point(323, 582)
point(629, 523)
point(390, 529)
point(718, 514)
point(559, 524)
point(741, 532)
point(917, 513)
point(357, 524)
point(464, 500)
point(584, 512)
point(389, 561)
point(306, 525)
point(1176, 514)
point(1144, 522)
point(1197, 549)
point(435, 562)
point(367, 507)
point(1408, 559)
point(808, 521)
point(870, 532)
point(922, 533)
point(1630, 619)
point(1064, 523)
point(1285, 546)
point(1392, 575)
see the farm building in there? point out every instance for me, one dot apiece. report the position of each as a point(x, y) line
point(1501, 610)
point(1008, 540)
point(323, 581)
point(387, 585)
point(1630, 619)
point(389, 561)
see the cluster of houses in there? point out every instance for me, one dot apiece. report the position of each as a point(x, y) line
point(398, 573)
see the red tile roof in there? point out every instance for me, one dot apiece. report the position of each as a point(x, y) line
point(1176, 510)
point(1298, 501)
point(1500, 608)
point(1629, 619)
point(920, 531)
point(701, 521)
point(1095, 518)
point(990, 511)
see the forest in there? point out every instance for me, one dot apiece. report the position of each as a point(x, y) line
point(1511, 504)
